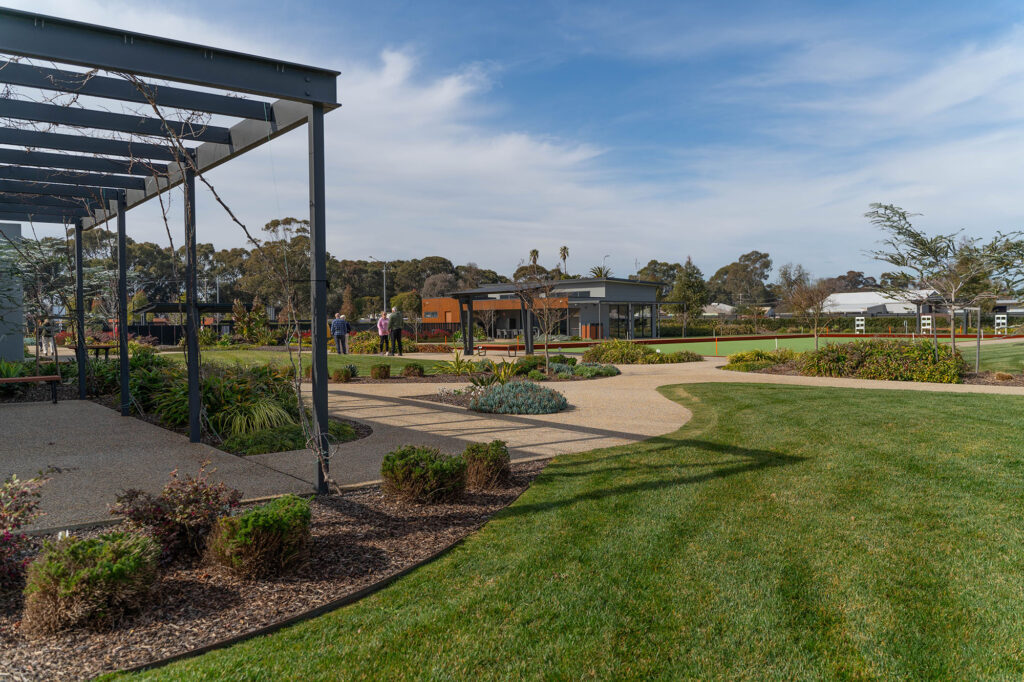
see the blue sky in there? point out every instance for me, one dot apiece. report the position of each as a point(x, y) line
point(480, 130)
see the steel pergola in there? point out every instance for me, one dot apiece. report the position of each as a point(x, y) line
point(80, 165)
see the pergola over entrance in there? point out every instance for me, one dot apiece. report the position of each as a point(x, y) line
point(100, 163)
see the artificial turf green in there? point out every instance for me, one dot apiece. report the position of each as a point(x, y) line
point(784, 533)
point(334, 361)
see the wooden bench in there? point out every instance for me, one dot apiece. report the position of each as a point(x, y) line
point(53, 380)
point(101, 347)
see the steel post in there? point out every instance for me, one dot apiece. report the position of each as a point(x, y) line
point(191, 310)
point(318, 289)
point(122, 302)
point(80, 352)
point(468, 337)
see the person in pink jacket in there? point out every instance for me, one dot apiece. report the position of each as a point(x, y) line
point(382, 330)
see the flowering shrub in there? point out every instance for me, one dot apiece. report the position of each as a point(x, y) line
point(753, 360)
point(19, 506)
point(886, 359)
point(433, 348)
point(519, 397)
point(368, 342)
point(181, 516)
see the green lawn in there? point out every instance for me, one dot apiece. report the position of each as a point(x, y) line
point(785, 533)
point(334, 361)
point(996, 357)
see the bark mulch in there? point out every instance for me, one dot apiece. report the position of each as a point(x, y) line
point(359, 538)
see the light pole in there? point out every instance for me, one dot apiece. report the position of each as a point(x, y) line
point(384, 273)
point(604, 263)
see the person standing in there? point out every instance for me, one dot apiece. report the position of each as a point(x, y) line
point(47, 328)
point(340, 329)
point(382, 331)
point(395, 323)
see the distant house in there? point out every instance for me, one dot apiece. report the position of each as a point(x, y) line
point(875, 303)
point(719, 310)
point(595, 308)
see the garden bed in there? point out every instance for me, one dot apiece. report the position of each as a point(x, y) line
point(359, 538)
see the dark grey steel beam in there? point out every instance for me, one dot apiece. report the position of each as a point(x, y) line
point(87, 145)
point(67, 178)
point(122, 304)
point(43, 78)
point(16, 217)
point(42, 37)
point(245, 135)
point(50, 189)
point(20, 157)
point(42, 112)
point(318, 293)
point(36, 201)
point(468, 334)
point(195, 404)
point(69, 211)
point(80, 351)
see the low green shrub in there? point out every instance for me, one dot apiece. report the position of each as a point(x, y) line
point(589, 370)
point(560, 368)
point(368, 343)
point(537, 375)
point(19, 506)
point(380, 371)
point(886, 359)
point(563, 359)
point(757, 359)
point(283, 439)
point(341, 375)
point(622, 352)
point(90, 583)
point(528, 363)
point(519, 397)
point(564, 375)
point(413, 369)
point(269, 540)
point(487, 465)
point(423, 474)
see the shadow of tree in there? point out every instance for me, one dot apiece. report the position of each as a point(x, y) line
point(742, 460)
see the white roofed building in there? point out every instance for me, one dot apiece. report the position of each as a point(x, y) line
point(871, 303)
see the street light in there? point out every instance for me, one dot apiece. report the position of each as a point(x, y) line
point(384, 272)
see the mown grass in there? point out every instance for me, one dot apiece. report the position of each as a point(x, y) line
point(334, 361)
point(784, 533)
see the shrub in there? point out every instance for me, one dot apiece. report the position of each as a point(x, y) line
point(487, 464)
point(1004, 376)
point(560, 368)
point(181, 516)
point(756, 359)
point(423, 474)
point(284, 439)
point(457, 366)
point(92, 583)
point(19, 506)
point(342, 375)
point(563, 359)
point(564, 375)
point(537, 375)
point(368, 343)
point(380, 372)
point(413, 369)
point(886, 359)
point(621, 352)
point(589, 370)
point(268, 540)
point(528, 363)
point(519, 397)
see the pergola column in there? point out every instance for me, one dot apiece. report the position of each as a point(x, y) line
point(191, 310)
point(318, 291)
point(122, 301)
point(467, 336)
point(630, 330)
point(80, 352)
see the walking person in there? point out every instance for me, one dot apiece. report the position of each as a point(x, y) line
point(395, 323)
point(340, 329)
point(48, 346)
point(382, 330)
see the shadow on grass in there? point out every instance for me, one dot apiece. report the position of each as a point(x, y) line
point(748, 461)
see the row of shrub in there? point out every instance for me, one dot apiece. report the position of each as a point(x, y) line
point(94, 582)
point(622, 352)
point(425, 475)
point(881, 359)
point(368, 342)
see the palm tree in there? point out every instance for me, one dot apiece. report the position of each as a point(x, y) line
point(563, 253)
point(534, 255)
point(601, 271)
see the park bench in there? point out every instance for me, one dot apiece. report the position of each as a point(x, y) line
point(53, 380)
point(101, 347)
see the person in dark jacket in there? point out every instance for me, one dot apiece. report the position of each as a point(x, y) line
point(395, 323)
point(340, 329)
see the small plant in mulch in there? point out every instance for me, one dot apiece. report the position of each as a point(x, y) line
point(537, 375)
point(19, 506)
point(519, 397)
point(487, 465)
point(380, 371)
point(1003, 376)
point(88, 583)
point(181, 516)
point(422, 474)
point(413, 369)
point(266, 541)
point(342, 375)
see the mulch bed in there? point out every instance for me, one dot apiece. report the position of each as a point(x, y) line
point(359, 538)
point(31, 393)
point(447, 399)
